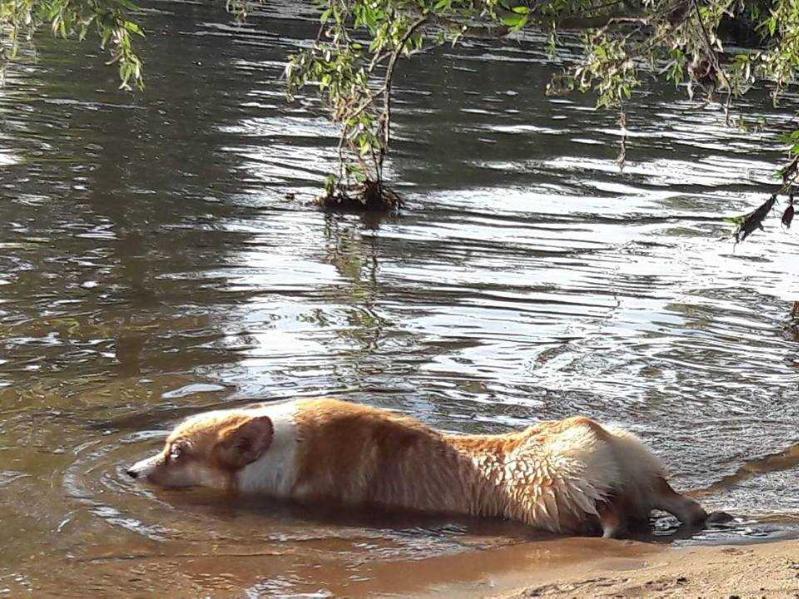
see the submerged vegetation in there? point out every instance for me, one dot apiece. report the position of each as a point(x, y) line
point(717, 49)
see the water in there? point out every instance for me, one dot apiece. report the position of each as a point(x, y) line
point(152, 267)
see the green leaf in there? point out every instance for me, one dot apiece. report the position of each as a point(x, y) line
point(515, 21)
point(134, 28)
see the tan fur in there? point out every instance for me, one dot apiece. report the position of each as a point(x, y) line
point(570, 476)
point(360, 455)
point(203, 457)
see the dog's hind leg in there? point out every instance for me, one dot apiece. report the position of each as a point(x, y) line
point(619, 515)
point(685, 509)
point(611, 519)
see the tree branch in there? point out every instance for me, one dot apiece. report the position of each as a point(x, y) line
point(386, 90)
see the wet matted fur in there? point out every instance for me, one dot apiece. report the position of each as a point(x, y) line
point(570, 476)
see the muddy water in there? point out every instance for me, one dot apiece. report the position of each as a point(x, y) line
point(151, 267)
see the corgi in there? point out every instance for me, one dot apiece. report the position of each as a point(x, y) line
point(571, 476)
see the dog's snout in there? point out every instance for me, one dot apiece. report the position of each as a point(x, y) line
point(132, 473)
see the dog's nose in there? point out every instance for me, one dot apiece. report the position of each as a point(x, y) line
point(132, 473)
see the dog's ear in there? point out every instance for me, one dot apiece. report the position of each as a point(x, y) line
point(244, 442)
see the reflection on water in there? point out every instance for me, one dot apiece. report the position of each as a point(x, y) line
point(151, 267)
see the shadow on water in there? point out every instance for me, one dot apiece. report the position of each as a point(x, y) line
point(787, 459)
point(152, 267)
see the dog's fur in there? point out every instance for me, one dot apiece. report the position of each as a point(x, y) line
point(568, 476)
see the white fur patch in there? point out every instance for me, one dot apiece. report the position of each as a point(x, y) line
point(639, 463)
point(585, 467)
point(275, 472)
point(145, 467)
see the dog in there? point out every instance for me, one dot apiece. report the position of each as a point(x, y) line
point(571, 476)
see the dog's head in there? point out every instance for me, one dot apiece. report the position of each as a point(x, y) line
point(207, 450)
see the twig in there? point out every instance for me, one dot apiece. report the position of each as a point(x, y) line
point(385, 119)
point(715, 61)
point(385, 91)
point(622, 157)
point(600, 21)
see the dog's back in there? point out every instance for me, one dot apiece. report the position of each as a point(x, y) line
point(571, 475)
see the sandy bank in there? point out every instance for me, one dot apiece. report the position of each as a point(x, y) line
point(762, 570)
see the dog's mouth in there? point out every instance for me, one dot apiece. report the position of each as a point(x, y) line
point(144, 469)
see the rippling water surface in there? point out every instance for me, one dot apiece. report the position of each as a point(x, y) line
point(151, 267)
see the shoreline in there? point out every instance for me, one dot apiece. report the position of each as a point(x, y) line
point(601, 568)
point(548, 567)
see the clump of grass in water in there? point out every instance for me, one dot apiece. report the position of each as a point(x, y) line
point(369, 196)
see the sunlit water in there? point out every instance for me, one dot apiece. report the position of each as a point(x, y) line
point(151, 267)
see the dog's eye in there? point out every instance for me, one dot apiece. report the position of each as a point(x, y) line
point(176, 452)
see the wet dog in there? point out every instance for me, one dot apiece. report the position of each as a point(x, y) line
point(570, 476)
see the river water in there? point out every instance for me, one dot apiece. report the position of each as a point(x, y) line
point(152, 267)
